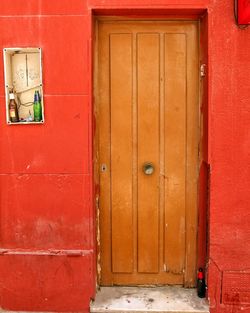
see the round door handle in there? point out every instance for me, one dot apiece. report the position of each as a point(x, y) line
point(148, 168)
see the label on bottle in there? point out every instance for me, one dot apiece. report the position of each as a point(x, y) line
point(12, 113)
point(12, 97)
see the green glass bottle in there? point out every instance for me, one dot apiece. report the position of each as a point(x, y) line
point(37, 107)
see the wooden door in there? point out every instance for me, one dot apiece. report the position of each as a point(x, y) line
point(147, 112)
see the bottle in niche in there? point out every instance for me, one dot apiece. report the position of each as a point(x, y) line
point(201, 285)
point(13, 110)
point(37, 107)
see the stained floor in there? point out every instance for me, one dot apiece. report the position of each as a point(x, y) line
point(169, 299)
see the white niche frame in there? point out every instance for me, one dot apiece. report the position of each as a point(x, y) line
point(23, 75)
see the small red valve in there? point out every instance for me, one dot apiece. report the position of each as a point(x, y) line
point(243, 13)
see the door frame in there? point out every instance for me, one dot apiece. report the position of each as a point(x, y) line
point(202, 198)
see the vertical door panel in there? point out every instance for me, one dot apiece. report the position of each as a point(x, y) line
point(148, 62)
point(121, 151)
point(175, 151)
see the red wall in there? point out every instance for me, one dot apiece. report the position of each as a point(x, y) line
point(47, 233)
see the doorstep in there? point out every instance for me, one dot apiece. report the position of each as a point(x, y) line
point(171, 299)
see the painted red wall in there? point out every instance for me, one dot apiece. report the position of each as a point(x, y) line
point(47, 230)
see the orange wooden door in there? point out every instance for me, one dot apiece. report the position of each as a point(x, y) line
point(147, 112)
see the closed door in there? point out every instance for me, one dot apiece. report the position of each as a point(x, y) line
point(147, 116)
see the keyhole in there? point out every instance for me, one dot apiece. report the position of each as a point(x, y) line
point(103, 167)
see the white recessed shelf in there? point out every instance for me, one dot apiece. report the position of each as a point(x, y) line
point(23, 78)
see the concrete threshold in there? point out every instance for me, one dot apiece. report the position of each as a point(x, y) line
point(169, 299)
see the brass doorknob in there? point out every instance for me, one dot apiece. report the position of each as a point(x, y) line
point(148, 168)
